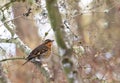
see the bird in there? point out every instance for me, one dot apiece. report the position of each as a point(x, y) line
point(43, 51)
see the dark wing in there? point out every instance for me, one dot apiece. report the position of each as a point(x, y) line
point(37, 51)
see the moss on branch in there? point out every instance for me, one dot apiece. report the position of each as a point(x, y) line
point(56, 22)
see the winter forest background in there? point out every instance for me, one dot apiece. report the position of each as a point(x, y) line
point(86, 47)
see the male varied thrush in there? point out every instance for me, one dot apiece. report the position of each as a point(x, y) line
point(43, 51)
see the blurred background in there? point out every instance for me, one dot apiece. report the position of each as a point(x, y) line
point(91, 25)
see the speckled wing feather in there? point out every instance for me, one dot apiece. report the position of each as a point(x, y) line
point(37, 52)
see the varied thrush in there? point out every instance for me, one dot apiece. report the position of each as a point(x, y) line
point(43, 51)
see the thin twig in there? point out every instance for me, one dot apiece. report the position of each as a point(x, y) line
point(15, 58)
point(26, 14)
point(19, 43)
point(11, 20)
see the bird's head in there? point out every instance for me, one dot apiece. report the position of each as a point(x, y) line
point(48, 42)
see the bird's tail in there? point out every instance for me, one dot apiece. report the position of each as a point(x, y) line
point(25, 62)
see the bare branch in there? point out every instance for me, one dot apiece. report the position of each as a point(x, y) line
point(65, 52)
point(15, 58)
point(19, 43)
point(7, 5)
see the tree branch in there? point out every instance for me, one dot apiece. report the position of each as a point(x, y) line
point(19, 43)
point(15, 58)
point(65, 52)
point(7, 5)
point(56, 22)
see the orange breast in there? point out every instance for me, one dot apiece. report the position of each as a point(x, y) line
point(49, 45)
